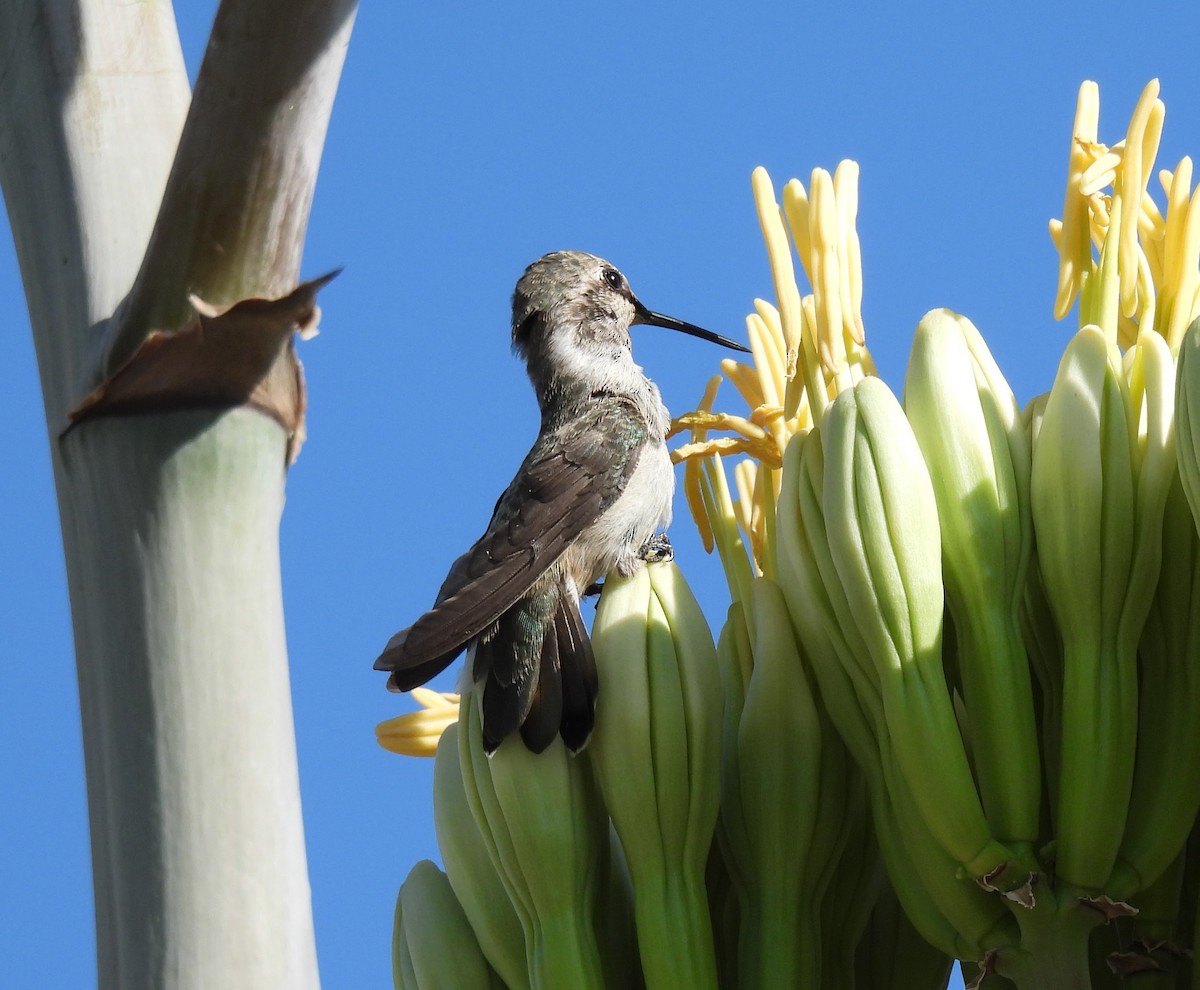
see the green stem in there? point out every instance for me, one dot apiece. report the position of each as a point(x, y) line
point(779, 946)
point(1053, 954)
point(675, 936)
point(564, 953)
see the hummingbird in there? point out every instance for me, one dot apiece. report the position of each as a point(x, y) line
point(592, 496)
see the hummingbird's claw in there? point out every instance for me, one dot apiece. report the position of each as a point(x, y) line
point(593, 589)
point(657, 549)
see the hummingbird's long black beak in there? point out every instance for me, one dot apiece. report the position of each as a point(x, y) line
point(650, 318)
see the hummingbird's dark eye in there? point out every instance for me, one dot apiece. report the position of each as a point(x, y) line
point(614, 278)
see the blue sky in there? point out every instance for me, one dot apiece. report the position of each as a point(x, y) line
point(467, 140)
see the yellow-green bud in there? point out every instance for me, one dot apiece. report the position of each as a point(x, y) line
point(969, 428)
point(433, 946)
point(1099, 485)
point(1187, 415)
point(543, 824)
point(771, 796)
point(655, 753)
point(886, 547)
point(471, 872)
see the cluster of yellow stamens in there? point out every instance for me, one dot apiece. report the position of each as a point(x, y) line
point(417, 733)
point(1156, 254)
point(809, 348)
point(806, 350)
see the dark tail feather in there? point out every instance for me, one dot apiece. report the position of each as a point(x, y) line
point(406, 676)
point(546, 712)
point(544, 691)
point(508, 690)
point(580, 682)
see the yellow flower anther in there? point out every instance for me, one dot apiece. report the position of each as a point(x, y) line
point(417, 733)
point(1148, 278)
point(745, 380)
point(775, 236)
point(717, 421)
point(1074, 245)
point(807, 348)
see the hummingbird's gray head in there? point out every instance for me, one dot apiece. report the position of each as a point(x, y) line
point(575, 294)
point(572, 312)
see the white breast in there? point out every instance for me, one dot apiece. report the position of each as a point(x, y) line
point(641, 510)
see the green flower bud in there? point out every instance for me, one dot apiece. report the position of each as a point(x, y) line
point(885, 544)
point(824, 621)
point(544, 828)
point(1043, 643)
point(433, 946)
point(655, 754)
point(471, 872)
point(969, 428)
point(735, 657)
point(1099, 485)
point(1166, 782)
point(949, 913)
point(724, 882)
point(856, 875)
point(771, 795)
point(891, 946)
point(1187, 415)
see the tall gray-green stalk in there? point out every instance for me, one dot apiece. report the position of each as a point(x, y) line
point(125, 194)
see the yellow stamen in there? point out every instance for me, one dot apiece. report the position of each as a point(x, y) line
point(746, 476)
point(827, 285)
point(795, 209)
point(782, 270)
point(1181, 254)
point(763, 451)
point(695, 499)
point(417, 733)
point(1075, 251)
point(745, 380)
point(691, 475)
point(789, 385)
point(771, 371)
point(738, 573)
point(845, 187)
point(1141, 147)
point(717, 421)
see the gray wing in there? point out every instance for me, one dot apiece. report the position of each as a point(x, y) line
point(561, 488)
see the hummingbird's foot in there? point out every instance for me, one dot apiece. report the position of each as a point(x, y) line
point(593, 589)
point(657, 549)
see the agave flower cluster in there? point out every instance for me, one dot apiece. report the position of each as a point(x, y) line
point(954, 708)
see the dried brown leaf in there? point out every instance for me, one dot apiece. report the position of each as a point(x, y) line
point(1126, 964)
point(240, 355)
point(1109, 908)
